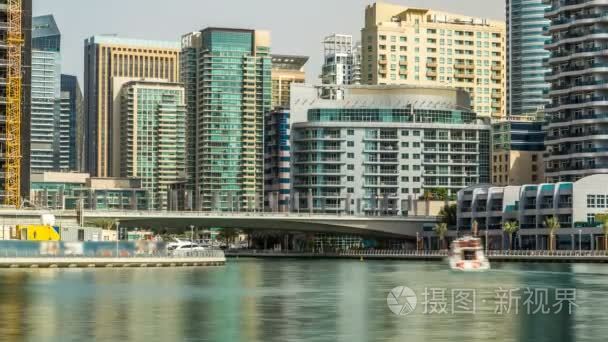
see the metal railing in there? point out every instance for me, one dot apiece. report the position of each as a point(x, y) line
point(109, 254)
point(421, 253)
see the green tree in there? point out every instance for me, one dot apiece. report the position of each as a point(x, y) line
point(448, 215)
point(510, 228)
point(228, 235)
point(604, 219)
point(104, 223)
point(440, 194)
point(441, 229)
point(552, 223)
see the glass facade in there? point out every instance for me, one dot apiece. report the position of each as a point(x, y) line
point(71, 115)
point(233, 93)
point(65, 195)
point(377, 161)
point(46, 84)
point(277, 156)
point(153, 137)
point(526, 85)
point(390, 115)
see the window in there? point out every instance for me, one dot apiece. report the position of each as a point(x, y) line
point(351, 144)
point(405, 179)
point(350, 132)
point(416, 144)
point(350, 155)
point(405, 133)
point(591, 219)
point(416, 191)
point(416, 133)
point(416, 167)
point(405, 156)
point(405, 190)
point(350, 178)
point(601, 201)
point(405, 144)
point(590, 201)
point(351, 167)
point(351, 190)
point(405, 167)
point(416, 156)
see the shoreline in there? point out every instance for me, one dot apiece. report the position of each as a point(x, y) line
point(421, 257)
point(97, 262)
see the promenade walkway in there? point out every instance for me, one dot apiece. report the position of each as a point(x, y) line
point(493, 255)
point(199, 258)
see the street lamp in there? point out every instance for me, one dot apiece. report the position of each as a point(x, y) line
point(486, 239)
point(117, 236)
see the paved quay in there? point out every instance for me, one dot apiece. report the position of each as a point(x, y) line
point(214, 258)
point(502, 256)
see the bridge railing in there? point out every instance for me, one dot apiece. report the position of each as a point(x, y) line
point(144, 213)
point(13, 253)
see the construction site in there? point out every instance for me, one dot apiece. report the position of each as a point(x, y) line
point(15, 76)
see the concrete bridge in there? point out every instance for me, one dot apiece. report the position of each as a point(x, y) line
point(388, 226)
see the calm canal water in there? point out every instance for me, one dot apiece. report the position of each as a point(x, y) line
point(297, 300)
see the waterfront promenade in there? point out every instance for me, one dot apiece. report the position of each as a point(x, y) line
point(494, 255)
point(190, 259)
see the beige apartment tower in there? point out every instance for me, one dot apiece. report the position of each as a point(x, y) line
point(286, 69)
point(109, 63)
point(418, 46)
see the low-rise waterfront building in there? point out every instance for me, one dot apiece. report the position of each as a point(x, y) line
point(574, 204)
point(380, 147)
point(59, 190)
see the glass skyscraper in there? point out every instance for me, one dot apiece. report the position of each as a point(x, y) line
point(46, 74)
point(71, 148)
point(526, 86)
point(233, 92)
point(153, 136)
point(577, 129)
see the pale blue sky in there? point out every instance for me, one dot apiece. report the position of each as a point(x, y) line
point(297, 26)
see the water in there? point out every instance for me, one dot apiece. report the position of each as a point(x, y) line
point(291, 300)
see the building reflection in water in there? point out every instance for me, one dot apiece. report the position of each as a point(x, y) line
point(284, 300)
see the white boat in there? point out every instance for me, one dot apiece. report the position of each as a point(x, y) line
point(182, 246)
point(467, 255)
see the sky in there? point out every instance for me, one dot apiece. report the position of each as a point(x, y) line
point(297, 26)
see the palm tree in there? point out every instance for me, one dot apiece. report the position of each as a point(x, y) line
point(448, 215)
point(441, 229)
point(510, 228)
point(605, 231)
point(552, 223)
point(227, 235)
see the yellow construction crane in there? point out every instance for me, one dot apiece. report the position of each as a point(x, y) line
point(12, 185)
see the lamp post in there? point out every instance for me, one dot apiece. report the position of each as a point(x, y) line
point(417, 241)
point(117, 236)
point(486, 239)
point(580, 234)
